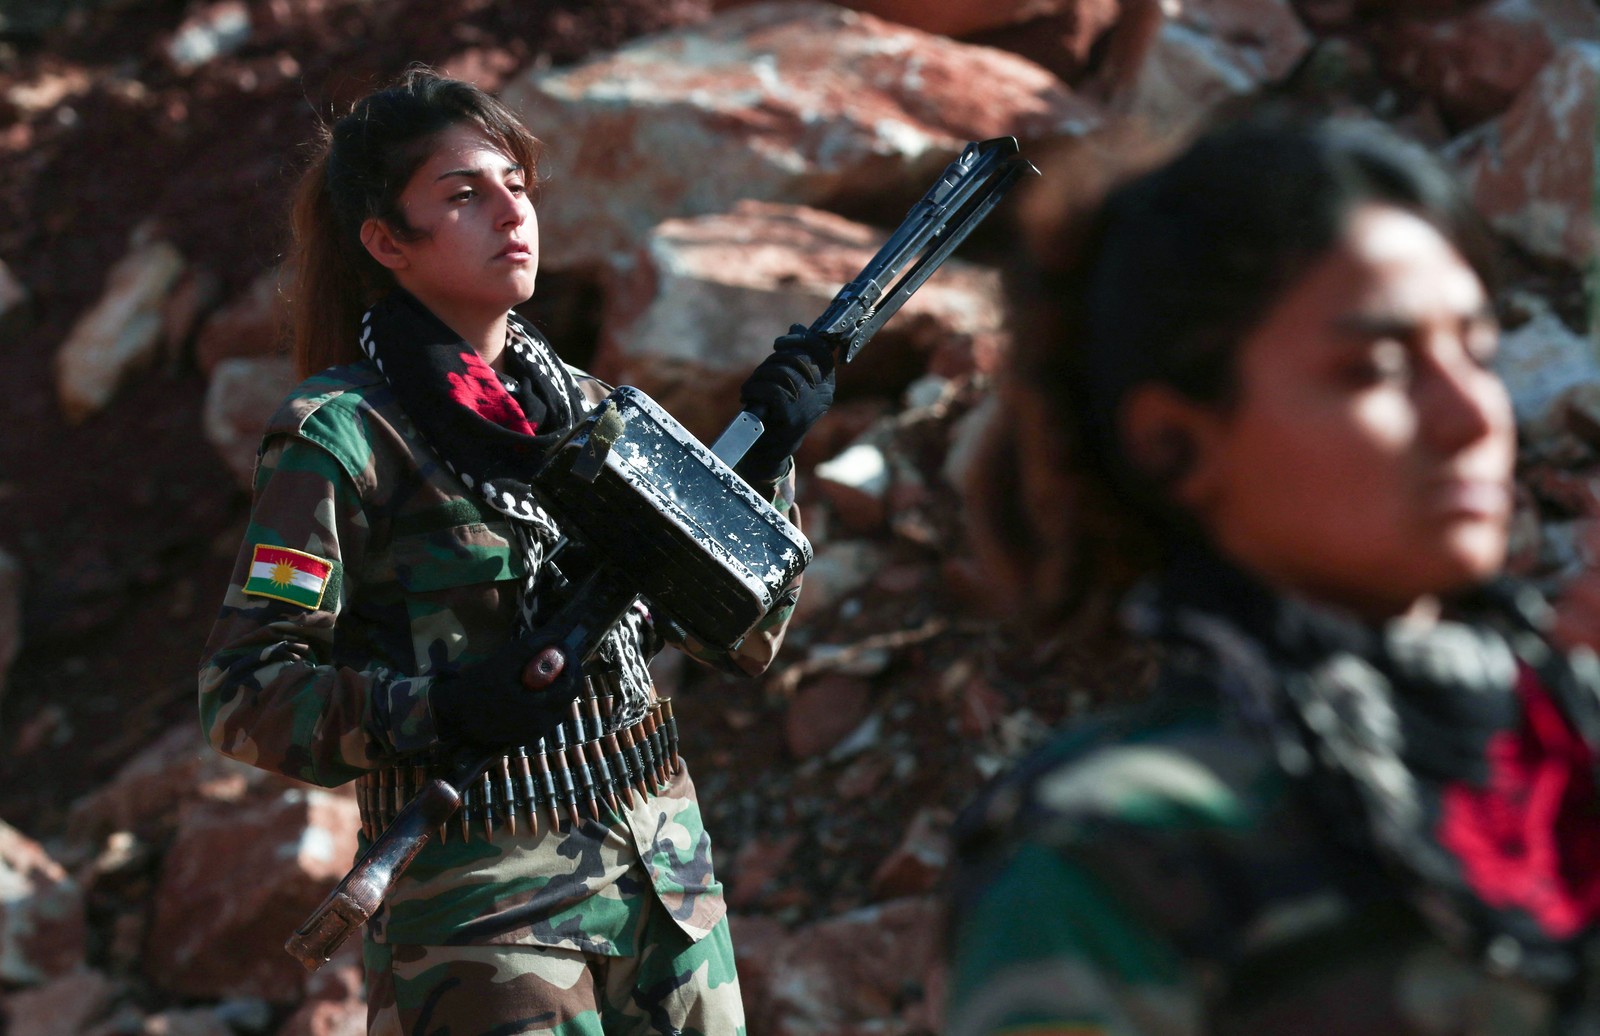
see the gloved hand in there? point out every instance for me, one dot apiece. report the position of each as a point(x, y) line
point(513, 697)
point(788, 391)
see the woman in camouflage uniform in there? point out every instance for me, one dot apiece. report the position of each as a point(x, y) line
point(395, 563)
point(1263, 426)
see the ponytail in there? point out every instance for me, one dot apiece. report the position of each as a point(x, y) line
point(332, 283)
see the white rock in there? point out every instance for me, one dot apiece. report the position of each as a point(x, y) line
point(121, 335)
point(242, 394)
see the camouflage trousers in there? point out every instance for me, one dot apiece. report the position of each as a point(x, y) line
point(674, 986)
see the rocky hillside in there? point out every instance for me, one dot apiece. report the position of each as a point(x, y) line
point(713, 172)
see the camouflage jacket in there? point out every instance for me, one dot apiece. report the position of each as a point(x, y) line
point(1314, 824)
point(323, 673)
point(1160, 874)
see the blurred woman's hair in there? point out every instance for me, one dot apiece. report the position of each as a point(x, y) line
point(362, 164)
point(1158, 279)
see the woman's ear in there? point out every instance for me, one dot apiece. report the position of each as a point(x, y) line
point(1174, 442)
point(382, 245)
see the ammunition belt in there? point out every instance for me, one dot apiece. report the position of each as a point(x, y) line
point(567, 775)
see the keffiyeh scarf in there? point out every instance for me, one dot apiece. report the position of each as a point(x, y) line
point(1462, 754)
point(491, 430)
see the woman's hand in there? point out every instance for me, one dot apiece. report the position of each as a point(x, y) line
point(514, 697)
point(789, 391)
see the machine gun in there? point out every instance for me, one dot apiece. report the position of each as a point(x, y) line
point(667, 519)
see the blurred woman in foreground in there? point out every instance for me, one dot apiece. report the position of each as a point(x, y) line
point(1262, 425)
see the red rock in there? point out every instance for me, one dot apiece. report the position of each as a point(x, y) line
point(917, 864)
point(64, 1007)
point(962, 17)
point(336, 1000)
point(1474, 66)
point(42, 928)
point(757, 940)
point(1531, 172)
point(823, 712)
point(704, 298)
point(243, 393)
point(148, 794)
point(254, 324)
point(802, 102)
point(235, 882)
point(864, 776)
point(1063, 42)
point(756, 868)
point(853, 970)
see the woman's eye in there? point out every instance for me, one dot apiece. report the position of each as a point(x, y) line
point(517, 188)
point(1382, 362)
point(462, 195)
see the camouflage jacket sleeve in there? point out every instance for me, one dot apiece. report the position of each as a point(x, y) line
point(272, 693)
point(1045, 948)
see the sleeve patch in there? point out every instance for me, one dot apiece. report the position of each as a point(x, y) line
point(288, 575)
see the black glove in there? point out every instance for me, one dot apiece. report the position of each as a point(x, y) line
point(514, 697)
point(788, 391)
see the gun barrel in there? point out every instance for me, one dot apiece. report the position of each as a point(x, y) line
point(952, 208)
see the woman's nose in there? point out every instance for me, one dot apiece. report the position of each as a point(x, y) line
point(513, 208)
point(1464, 401)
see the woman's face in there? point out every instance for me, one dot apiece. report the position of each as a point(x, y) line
point(1367, 459)
point(477, 249)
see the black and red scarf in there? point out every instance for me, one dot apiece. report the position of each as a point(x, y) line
point(491, 430)
point(1463, 755)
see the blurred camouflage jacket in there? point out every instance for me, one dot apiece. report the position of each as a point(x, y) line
point(1314, 825)
point(379, 567)
point(1163, 875)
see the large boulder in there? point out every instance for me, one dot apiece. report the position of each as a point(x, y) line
point(802, 102)
point(42, 927)
point(867, 966)
point(236, 881)
point(1531, 172)
point(1474, 65)
point(147, 797)
point(1214, 51)
point(699, 305)
point(242, 394)
point(121, 335)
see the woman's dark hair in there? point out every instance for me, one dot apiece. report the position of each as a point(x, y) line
point(363, 163)
point(1160, 283)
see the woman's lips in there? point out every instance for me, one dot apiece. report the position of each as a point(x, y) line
point(1482, 498)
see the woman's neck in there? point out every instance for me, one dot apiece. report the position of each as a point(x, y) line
point(484, 332)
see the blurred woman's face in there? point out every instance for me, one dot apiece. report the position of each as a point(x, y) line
point(1367, 458)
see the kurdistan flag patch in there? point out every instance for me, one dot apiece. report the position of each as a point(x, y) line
point(288, 575)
